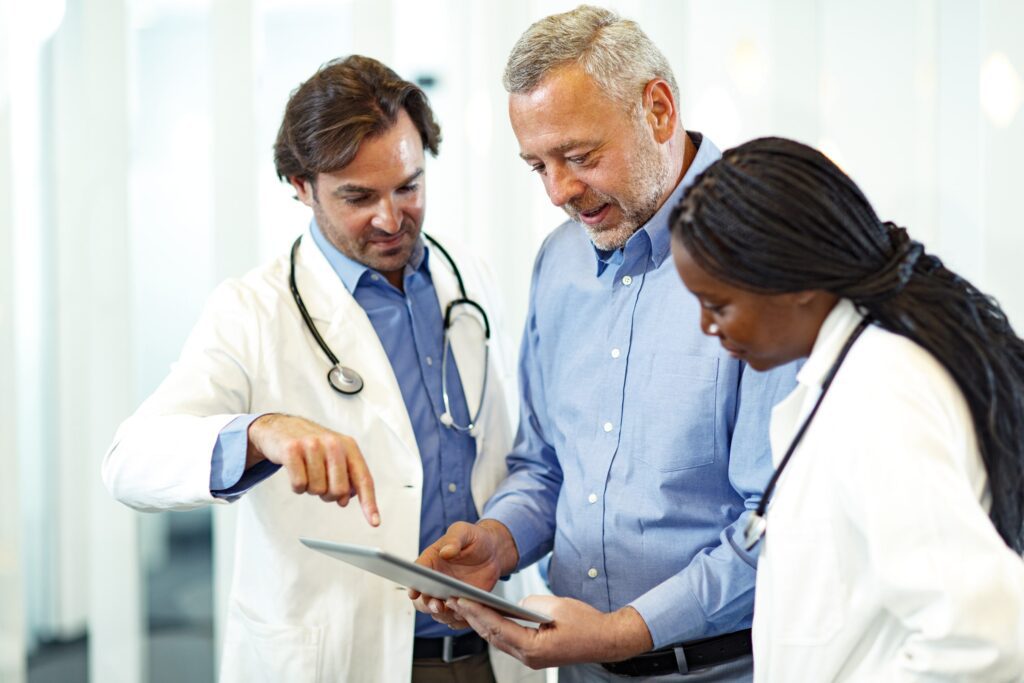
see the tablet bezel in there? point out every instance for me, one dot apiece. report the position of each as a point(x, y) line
point(418, 577)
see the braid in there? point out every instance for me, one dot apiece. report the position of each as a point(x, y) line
point(776, 216)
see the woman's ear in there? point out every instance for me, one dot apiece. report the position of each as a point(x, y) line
point(812, 298)
point(805, 297)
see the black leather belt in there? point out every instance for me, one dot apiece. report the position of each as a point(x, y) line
point(685, 657)
point(450, 648)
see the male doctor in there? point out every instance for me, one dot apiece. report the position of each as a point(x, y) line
point(405, 421)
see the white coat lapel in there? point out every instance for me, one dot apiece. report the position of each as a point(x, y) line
point(349, 333)
point(466, 334)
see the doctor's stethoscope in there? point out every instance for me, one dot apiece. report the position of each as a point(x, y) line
point(758, 522)
point(347, 381)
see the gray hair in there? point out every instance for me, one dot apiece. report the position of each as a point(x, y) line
point(613, 51)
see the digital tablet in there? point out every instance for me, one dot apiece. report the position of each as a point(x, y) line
point(418, 577)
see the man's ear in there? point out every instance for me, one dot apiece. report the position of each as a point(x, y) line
point(660, 109)
point(303, 189)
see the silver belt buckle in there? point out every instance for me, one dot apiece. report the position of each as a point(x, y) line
point(448, 649)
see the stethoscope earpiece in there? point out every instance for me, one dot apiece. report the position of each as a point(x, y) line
point(446, 419)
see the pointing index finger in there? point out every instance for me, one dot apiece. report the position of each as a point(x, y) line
point(362, 482)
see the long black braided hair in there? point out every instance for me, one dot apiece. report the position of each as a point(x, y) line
point(776, 216)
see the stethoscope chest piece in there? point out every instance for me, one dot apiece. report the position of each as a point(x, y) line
point(345, 380)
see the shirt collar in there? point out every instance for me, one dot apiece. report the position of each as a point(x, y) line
point(350, 271)
point(655, 231)
point(837, 327)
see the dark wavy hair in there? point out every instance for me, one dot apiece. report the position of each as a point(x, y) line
point(346, 101)
point(776, 216)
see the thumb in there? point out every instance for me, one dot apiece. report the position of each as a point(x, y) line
point(459, 536)
point(545, 604)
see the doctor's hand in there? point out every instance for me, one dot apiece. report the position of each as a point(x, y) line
point(478, 554)
point(578, 634)
point(318, 461)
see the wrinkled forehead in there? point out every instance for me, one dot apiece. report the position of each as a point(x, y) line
point(567, 108)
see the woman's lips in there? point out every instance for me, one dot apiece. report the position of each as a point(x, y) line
point(735, 351)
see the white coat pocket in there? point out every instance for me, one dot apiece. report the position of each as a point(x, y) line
point(255, 651)
point(810, 611)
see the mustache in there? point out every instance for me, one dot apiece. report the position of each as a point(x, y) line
point(408, 226)
point(592, 200)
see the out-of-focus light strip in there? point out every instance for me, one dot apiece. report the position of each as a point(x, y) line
point(1000, 90)
point(35, 23)
point(748, 67)
point(716, 113)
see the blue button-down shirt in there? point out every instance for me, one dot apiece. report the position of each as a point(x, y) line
point(411, 329)
point(641, 444)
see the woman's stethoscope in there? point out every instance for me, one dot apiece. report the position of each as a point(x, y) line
point(758, 522)
point(347, 381)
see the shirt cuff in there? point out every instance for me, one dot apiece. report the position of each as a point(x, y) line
point(672, 613)
point(228, 477)
point(532, 537)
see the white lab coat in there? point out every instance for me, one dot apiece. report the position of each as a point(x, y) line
point(295, 614)
point(880, 562)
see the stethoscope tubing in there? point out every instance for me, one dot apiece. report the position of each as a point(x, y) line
point(347, 381)
point(758, 522)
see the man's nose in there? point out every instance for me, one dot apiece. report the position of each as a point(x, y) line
point(387, 217)
point(563, 186)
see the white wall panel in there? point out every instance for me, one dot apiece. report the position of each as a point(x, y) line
point(1002, 151)
point(98, 559)
point(12, 607)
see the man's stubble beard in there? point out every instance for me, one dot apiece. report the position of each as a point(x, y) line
point(358, 249)
point(650, 173)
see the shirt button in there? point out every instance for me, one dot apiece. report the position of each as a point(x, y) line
point(592, 573)
point(627, 280)
point(592, 498)
point(375, 277)
point(616, 353)
point(430, 361)
point(452, 487)
point(607, 426)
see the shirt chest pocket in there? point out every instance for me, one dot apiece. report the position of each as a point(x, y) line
point(671, 423)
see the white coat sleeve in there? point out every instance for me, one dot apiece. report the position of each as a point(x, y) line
point(160, 457)
point(914, 487)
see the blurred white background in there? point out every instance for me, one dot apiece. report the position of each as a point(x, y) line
point(136, 173)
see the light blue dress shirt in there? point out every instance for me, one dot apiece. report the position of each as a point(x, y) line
point(641, 443)
point(411, 328)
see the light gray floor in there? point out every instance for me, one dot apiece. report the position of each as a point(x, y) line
point(180, 607)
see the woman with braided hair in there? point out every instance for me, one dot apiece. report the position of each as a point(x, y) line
point(893, 528)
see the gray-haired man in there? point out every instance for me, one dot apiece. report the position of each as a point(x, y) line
point(641, 445)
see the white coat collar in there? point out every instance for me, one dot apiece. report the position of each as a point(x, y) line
point(837, 327)
point(787, 415)
point(466, 336)
point(345, 327)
